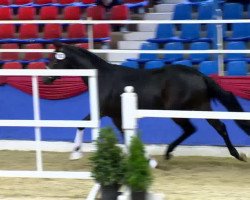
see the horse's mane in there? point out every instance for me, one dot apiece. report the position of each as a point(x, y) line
point(96, 60)
point(100, 63)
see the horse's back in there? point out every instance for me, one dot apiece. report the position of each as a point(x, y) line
point(171, 87)
point(185, 88)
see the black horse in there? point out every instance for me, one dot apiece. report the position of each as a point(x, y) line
point(173, 87)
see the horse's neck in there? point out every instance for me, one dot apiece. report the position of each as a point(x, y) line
point(105, 69)
point(94, 62)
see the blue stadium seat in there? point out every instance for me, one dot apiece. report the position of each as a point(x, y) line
point(205, 11)
point(182, 11)
point(232, 11)
point(187, 63)
point(189, 33)
point(235, 46)
point(131, 64)
point(210, 35)
point(237, 68)
point(208, 67)
point(197, 58)
point(154, 64)
point(169, 58)
point(143, 58)
point(164, 33)
point(240, 32)
point(248, 11)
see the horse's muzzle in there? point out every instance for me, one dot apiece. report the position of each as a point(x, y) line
point(49, 79)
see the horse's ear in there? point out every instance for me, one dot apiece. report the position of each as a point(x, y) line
point(58, 45)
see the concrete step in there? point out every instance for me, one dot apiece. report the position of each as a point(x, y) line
point(138, 35)
point(146, 27)
point(158, 16)
point(161, 8)
point(129, 44)
point(117, 57)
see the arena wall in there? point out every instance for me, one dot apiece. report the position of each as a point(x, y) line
point(15, 104)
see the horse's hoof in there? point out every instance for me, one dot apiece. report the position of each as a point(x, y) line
point(75, 155)
point(168, 156)
point(153, 163)
point(243, 157)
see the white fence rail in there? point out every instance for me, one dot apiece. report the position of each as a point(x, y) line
point(130, 114)
point(37, 123)
point(91, 22)
point(120, 51)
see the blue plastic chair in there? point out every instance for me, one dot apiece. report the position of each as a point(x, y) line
point(189, 33)
point(248, 11)
point(205, 11)
point(130, 64)
point(237, 68)
point(143, 58)
point(154, 64)
point(210, 35)
point(240, 32)
point(197, 58)
point(169, 58)
point(164, 33)
point(209, 67)
point(235, 46)
point(182, 11)
point(187, 63)
point(232, 11)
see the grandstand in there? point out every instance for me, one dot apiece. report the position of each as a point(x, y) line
point(140, 36)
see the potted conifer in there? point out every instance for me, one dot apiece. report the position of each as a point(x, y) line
point(138, 176)
point(108, 164)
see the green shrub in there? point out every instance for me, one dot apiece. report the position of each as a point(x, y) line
point(108, 160)
point(138, 172)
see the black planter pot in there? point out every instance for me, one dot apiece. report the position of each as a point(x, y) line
point(138, 195)
point(109, 192)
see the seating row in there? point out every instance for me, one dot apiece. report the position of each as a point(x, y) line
point(26, 58)
point(74, 33)
point(206, 10)
point(233, 68)
point(193, 58)
point(62, 3)
point(192, 32)
point(119, 12)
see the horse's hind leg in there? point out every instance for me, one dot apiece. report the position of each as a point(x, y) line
point(76, 152)
point(221, 129)
point(188, 130)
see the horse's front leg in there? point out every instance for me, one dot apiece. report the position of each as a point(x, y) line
point(117, 122)
point(77, 152)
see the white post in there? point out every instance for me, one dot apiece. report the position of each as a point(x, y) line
point(36, 110)
point(94, 105)
point(90, 35)
point(129, 107)
point(219, 30)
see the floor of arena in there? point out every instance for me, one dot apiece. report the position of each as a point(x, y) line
point(182, 178)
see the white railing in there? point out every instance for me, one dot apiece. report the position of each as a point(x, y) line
point(37, 123)
point(91, 22)
point(130, 114)
point(122, 51)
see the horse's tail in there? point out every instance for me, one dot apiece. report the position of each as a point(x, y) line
point(228, 100)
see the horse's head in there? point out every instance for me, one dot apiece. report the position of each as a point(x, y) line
point(72, 57)
point(60, 60)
